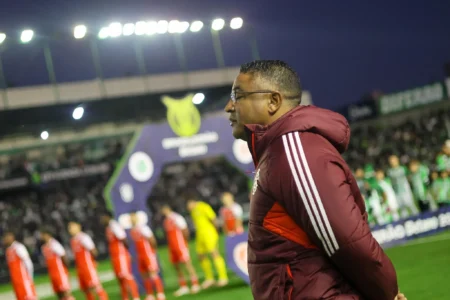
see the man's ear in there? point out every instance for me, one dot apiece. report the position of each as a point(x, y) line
point(275, 102)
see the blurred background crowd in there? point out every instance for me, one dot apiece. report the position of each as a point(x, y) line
point(418, 136)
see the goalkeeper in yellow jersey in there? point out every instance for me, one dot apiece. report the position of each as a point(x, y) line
point(207, 242)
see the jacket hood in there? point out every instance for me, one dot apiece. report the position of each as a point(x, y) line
point(330, 125)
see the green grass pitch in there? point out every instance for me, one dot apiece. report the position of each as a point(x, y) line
point(422, 269)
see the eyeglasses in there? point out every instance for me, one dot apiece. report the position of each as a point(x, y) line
point(235, 96)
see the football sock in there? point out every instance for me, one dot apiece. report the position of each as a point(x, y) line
point(102, 295)
point(221, 268)
point(148, 286)
point(90, 296)
point(133, 288)
point(194, 280)
point(207, 269)
point(158, 284)
point(182, 281)
point(123, 289)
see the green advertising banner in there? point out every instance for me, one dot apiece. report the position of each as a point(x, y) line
point(413, 98)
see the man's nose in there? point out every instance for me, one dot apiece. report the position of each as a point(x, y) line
point(229, 106)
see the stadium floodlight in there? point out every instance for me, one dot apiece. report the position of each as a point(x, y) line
point(218, 24)
point(198, 98)
point(44, 135)
point(140, 28)
point(174, 26)
point(151, 27)
point(183, 27)
point(78, 113)
point(2, 37)
point(236, 23)
point(115, 29)
point(196, 26)
point(103, 33)
point(128, 29)
point(162, 27)
point(79, 31)
point(26, 36)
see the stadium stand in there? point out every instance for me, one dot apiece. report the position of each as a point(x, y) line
point(418, 134)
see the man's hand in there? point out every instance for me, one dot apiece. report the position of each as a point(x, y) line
point(400, 296)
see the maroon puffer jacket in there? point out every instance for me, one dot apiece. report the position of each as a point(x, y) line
point(308, 231)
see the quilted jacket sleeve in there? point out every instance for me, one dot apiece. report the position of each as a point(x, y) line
point(318, 194)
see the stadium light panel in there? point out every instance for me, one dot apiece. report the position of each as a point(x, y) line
point(115, 29)
point(174, 26)
point(140, 28)
point(79, 31)
point(26, 36)
point(218, 24)
point(162, 27)
point(196, 26)
point(128, 29)
point(236, 23)
point(183, 27)
point(44, 135)
point(78, 113)
point(151, 27)
point(103, 33)
point(198, 98)
point(2, 37)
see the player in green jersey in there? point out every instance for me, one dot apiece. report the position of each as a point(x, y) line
point(399, 178)
point(440, 188)
point(359, 176)
point(443, 158)
point(419, 177)
point(389, 204)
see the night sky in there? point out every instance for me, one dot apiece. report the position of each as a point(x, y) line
point(341, 49)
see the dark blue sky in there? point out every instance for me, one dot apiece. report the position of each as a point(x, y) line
point(341, 49)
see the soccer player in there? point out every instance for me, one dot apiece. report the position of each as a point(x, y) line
point(399, 177)
point(57, 263)
point(443, 158)
point(231, 214)
point(308, 232)
point(440, 188)
point(360, 180)
point(84, 251)
point(120, 257)
point(177, 234)
point(419, 177)
point(20, 268)
point(389, 198)
point(145, 244)
point(207, 242)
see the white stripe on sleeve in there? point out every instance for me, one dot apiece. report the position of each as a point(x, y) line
point(316, 193)
point(303, 180)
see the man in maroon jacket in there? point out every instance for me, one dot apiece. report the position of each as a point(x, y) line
point(308, 231)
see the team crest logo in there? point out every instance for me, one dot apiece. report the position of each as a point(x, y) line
point(255, 182)
point(182, 115)
point(240, 257)
point(140, 166)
